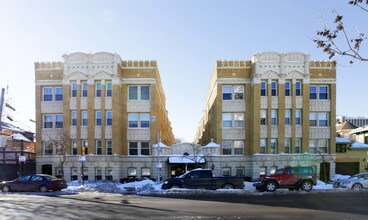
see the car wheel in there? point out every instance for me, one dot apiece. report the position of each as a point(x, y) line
point(5, 188)
point(357, 186)
point(270, 186)
point(175, 186)
point(306, 186)
point(43, 188)
point(227, 186)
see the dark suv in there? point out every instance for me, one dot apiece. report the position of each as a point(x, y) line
point(293, 178)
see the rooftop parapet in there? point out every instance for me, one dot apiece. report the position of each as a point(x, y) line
point(233, 63)
point(139, 64)
point(49, 65)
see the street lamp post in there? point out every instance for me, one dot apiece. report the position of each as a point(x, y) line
point(158, 165)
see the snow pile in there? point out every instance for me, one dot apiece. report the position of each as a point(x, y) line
point(148, 187)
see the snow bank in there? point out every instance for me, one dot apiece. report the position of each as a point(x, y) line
point(148, 187)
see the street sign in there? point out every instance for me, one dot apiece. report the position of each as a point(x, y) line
point(22, 158)
point(82, 158)
point(158, 165)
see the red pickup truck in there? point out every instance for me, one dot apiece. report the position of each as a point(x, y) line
point(292, 178)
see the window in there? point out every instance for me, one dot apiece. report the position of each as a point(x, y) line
point(263, 147)
point(98, 89)
point(84, 89)
point(238, 147)
point(74, 172)
point(227, 120)
point(323, 145)
point(48, 148)
point(109, 147)
point(133, 148)
point(144, 148)
point(226, 147)
point(238, 92)
point(298, 117)
point(133, 120)
point(84, 118)
point(145, 120)
point(274, 88)
point(146, 172)
point(263, 88)
point(98, 118)
point(47, 121)
point(58, 94)
point(98, 172)
point(313, 146)
point(273, 149)
point(108, 118)
point(226, 171)
point(74, 147)
point(319, 119)
point(85, 145)
point(313, 92)
point(312, 119)
point(341, 148)
point(108, 89)
point(263, 117)
point(226, 92)
point(323, 92)
point(132, 171)
point(239, 120)
point(108, 173)
point(298, 88)
point(287, 88)
point(239, 171)
point(59, 121)
point(273, 117)
point(287, 145)
point(323, 119)
point(47, 94)
point(74, 118)
point(262, 170)
point(144, 92)
point(98, 147)
point(74, 89)
point(288, 117)
point(298, 144)
point(133, 92)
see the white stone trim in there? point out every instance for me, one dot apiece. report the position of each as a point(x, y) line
point(138, 134)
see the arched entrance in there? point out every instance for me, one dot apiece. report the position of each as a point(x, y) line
point(47, 169)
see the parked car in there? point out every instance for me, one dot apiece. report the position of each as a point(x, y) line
point(37, 182)
point(293, 178)
point(358, 181)
point(203, 179)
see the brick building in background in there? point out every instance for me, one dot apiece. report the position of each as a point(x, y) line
point(102, 104)
point(275, 110)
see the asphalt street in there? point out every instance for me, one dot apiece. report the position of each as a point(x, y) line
point(346, 205)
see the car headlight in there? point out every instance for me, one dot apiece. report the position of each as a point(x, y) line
point(166, 182)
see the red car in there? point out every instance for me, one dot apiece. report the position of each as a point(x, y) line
point(37, 182)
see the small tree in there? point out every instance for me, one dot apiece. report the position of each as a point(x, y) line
point(328, 38)
point(60, 142)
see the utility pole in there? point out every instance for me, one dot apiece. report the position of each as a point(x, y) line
point(1, 104)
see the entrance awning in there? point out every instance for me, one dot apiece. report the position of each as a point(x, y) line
point(185, 160)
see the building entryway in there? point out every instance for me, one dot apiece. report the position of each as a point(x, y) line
point(180, 169)
point(47, 169)
point(324, 173)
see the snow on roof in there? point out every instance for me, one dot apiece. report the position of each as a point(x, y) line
point(211, 145)
point(342, 140)
point(20, 137)
point(358, 130)
point(162, 145)
point(354, 145)
point(5, 125)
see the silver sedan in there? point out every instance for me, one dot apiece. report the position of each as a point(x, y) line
point(358, 181)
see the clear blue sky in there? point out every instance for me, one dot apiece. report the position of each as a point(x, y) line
point(185, 37)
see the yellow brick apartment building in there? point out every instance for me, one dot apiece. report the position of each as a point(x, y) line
point(102, 105)
point(275, 110)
